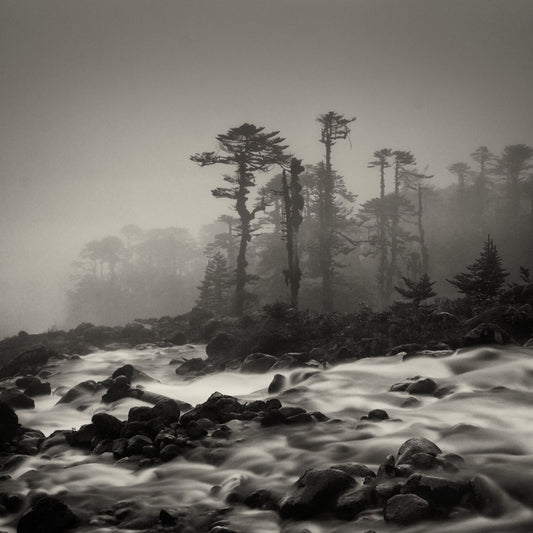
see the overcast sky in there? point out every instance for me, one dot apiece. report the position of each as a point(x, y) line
point(103, 101)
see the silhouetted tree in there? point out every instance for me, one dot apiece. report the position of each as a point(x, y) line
point(334, 127)
point(417, 290)
point(250, 150)
point(484, 278)
point(214, 289)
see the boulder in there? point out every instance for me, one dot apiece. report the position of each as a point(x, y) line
point(355, 470)
point(47, 515)
point(17, 399)
point(353, 501)
point(107, 426)
point(487, 333)
point(422, 386)
point(489, 498)
point(440, 491)
point(178, 338)
point(38, 388)
point(315, 492)
point(258, 363)
point(277, 384)
point(405, 509)
point(223, 347)
point(191, 365)
point(416, 445)
point(167, 409)
point(28, 362)
point(377, 415)
point(9, 422)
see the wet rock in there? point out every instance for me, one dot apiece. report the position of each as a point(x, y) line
point(487, 333)
point(407, 348)
point(444, 391)
point(273, 403)
point(191, 365)
point(405, 509)
point(118, 389)
point(137, 443)
point(377, 415)
point(402, 385)
point(262, 499)
point(489, 498)
point(106, 425)
point(114, 346)
point(47, 515)
point(424, 461)
point(80, 390)
point(10, 502)
point(26, 381)
point(355, 469)
point(389, 488)
point(178, 338)
point(28, 362)
point(9, 422)
point(422, 386)
point(168, 410)
point(277, 384)
point(258, 363)
point(300, 418)
point(38, 388)
point(29, 441)
point(410, 402)
point(82, 437)
point(120, 448)
point(140, 414)
point(353, 501)
point(286, 361)
point(223, 347)
point(169, 452)
point(440, 491)
point(273, 417)
point(130, 429)
point(256, 406)
point(416, 445)
point(195, 431)
point(315, 492)
point(17, 399)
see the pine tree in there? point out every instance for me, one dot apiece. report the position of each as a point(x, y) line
point(418, 290)
point(485, 277)
point(214, 290)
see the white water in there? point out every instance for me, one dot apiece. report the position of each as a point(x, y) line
point(491, 429)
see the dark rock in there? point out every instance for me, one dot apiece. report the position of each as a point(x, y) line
point(416, 445)
point(47, 515)
point(169, 452)
point(402, 385)
point(120, 448)
point(315, 492)
point(130, 429)
point(26, 381)
point(422, 386)
point(405, 509)
point(344, 354)
point(410, 402)
point(81, 389)
point(262, 499)
point(355, 469)
point(126, 370)
point(408, 348)
point(286, 361)
point(140, 414)
point(488, 497)
point(256, 406)
point(353, 501)
point(424, 461)
point(9, 422)
point(258, 363)
point(114, 346)
point(378, 415)
point(82, 437)
point(291, 411)
point(29, 441)
point(272, 417)
point(38, 389)
point(195, 431)
point(118, 389)
point(106, 425)
point(444, 391)
point(440, 491)
point(17, 399)
point(277, 383)
point(168, 410)
point(137, 443)
point(273, 403)
point(300, 418)
point(223, 347)
point(28, 362)
point(11, 502)
point(178, 338)
point(487, 333)
point(389, 488)
point(191, 365)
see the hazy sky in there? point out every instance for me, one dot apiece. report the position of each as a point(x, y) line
point(103, 101)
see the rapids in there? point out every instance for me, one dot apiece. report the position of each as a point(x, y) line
point(487, 419)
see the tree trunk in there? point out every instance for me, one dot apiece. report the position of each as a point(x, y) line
point(240, 270)
point(421, 233)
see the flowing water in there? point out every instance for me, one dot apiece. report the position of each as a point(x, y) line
point(487, 419)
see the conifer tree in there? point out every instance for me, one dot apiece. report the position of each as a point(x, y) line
point(214, 290)
point(484, 278)
point(418, 290)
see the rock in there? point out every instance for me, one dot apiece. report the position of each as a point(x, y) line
point(126, 370)
point(84, 388)
point(9, 422)
point(120, 448)
point(223, 347)
point(407, 348)
point(47, 515)
point(178, 338)
point(315, 492)
point(17, 399)
point(273, 417)
point(402, 385)
point(487, 333)
point(118, 389)
point(115, 346)
point(262, 499)
point(529, 343)
point(26, 381)
point(168, 410)
point(440, 491)
point(277, 384)
point(28, 362)
point(353, 501)
point(416, 445)
point(140, 414)
point(378, 415)
point(422, 386)
point(38, 388)
point(137, 443)
point(195, 431)
point(29, 441)
point(489, 498)
point(169, 452)
point(258, 363)
point(355, 470)
point(405, 509)
point(424, 461)
point(106, 425)
point(191, 365)
point(286, 361)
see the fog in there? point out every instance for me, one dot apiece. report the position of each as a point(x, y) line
point(102, 104)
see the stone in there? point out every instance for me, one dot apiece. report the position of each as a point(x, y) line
point(178, 338)
point(272, 417)
point(487, 333)
point(24, 382)
point(377, 415)
point(9, 422)
point(262, 499)
point(440, 491)
point(140, 414)
point(355, 470)
point(38, 388)
point(223, 347)
point(28, 362)
point(168, 410)
point(137, 443)
point(416, 445)
point(82, 389)
point(353, 501)
point(169, 452)
point(422, 386)
point(17, 399)
point(191, 365)
point(47, 515)
point(195, 431)
point(106, 425)
point(258, 363)
point(277, 384)
point(405, 509)
point(489, 498)
point(315, 492)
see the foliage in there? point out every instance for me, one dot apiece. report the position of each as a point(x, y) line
point(214, 289)
point(417, 290)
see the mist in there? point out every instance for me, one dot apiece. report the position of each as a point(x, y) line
point(102, 104)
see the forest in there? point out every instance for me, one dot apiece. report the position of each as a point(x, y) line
point(295, 235)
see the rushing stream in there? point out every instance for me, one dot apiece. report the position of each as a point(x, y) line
point(487, 419)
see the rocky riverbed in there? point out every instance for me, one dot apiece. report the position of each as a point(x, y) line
point(120, 441)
